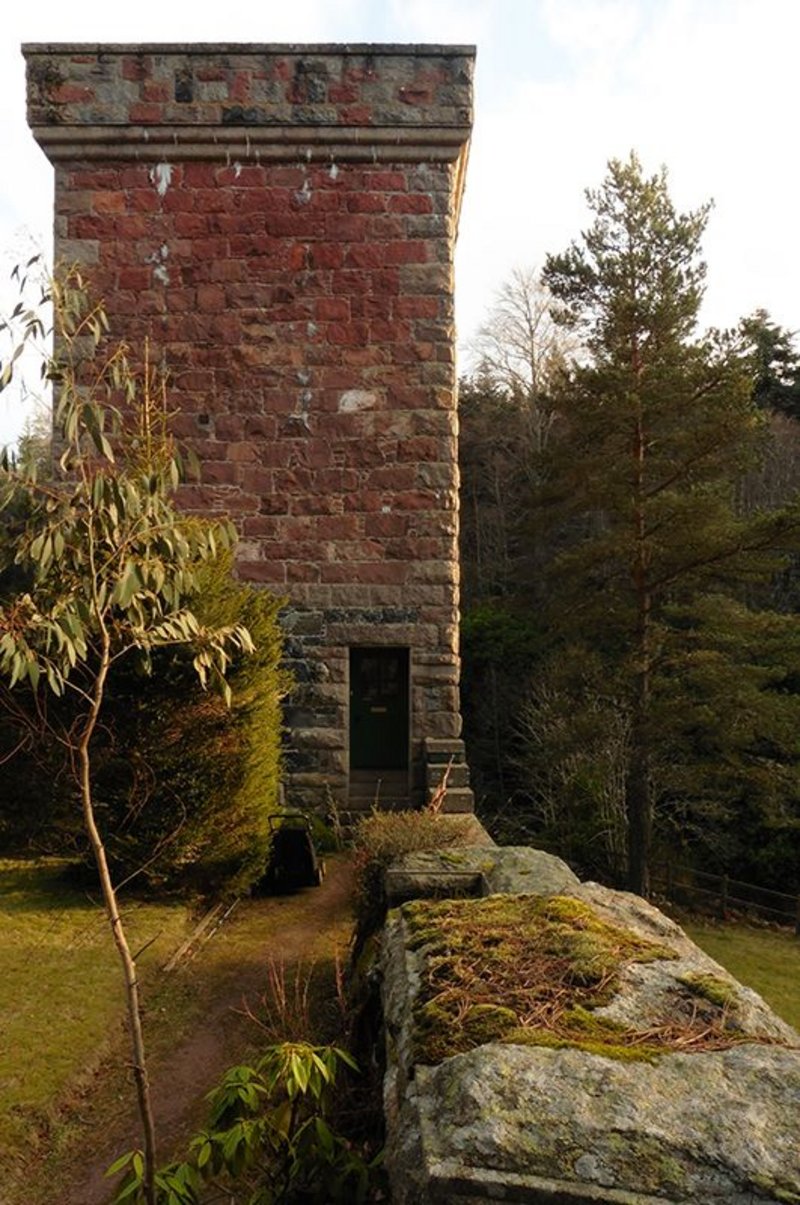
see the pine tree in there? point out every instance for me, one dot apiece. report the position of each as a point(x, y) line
point(660, 424)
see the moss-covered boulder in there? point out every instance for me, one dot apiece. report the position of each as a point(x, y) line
point(579, 1047)
point(479, 869)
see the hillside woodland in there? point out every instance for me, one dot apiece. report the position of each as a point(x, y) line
point(631, 644)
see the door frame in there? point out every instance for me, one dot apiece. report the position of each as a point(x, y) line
point(386, 647)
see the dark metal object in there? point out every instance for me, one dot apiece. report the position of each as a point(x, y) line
point(293, 860)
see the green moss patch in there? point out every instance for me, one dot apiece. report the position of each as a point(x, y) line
point(531, 971)
point(719, 992)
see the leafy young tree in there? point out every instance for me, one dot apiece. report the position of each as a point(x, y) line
point(659, 425)
point(107, 567)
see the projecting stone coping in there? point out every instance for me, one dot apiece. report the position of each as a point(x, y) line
point(220, 49)
point(368, 103)
point(477, 871)
point(710, 1120)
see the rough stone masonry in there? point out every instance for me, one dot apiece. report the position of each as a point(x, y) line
point(279, 221)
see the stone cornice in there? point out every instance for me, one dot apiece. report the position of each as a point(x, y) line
point(164, 103)
point(260, 143)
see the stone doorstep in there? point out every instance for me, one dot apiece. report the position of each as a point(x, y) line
point(355, 812)
point(363, 805)
point(386, 790)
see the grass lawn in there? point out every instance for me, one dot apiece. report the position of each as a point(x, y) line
point(61, 992)
point(79, 1121)
point(765, 959)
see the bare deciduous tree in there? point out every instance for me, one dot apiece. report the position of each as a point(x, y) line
point(522, 350)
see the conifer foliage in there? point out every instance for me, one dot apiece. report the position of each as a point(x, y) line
point(659, 423)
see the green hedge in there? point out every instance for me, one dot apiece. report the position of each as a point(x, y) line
point(184, 786)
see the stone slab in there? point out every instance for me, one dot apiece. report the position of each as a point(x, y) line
point(567, 1126)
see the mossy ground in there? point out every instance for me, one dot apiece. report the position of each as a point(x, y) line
point(531, 971)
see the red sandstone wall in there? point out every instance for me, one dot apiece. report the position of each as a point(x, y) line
point(306, 319)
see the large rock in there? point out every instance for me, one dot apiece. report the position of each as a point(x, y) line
point(529, 1124)
point(526, 1123)
point(481, 869)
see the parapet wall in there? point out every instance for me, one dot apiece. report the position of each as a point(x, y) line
point(691, 1097)
point(279, 222)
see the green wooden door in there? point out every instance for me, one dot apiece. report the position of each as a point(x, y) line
point(379, 711)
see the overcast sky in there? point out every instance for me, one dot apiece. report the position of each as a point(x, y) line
point(706, 87)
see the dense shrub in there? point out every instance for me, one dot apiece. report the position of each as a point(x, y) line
point(187, 784)
point(184, 785)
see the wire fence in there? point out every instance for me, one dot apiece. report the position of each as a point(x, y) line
point(721, 895)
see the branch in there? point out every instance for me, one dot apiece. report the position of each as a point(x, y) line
point(762, 545)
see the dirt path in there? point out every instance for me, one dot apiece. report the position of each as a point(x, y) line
point(309, 928)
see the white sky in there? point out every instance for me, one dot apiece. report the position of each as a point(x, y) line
point(707, 87)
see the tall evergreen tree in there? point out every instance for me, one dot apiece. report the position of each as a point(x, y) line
point(660, 423)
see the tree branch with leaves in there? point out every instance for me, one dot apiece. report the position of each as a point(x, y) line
point(108, 565)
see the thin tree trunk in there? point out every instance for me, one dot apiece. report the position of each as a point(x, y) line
point(498, 755)
point(638, 803)
point(118, 932)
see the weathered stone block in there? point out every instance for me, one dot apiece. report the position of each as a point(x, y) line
point(574, 1121)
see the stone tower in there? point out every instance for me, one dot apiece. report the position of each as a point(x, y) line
point(280, 221)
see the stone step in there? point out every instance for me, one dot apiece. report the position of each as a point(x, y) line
point(385, 789)
point(359, 807)
point(457, 777)
point(440, 752)
point(393, 803)
point(358, 777)
point(459, 799)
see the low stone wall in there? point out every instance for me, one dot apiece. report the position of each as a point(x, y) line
point(707, 1122)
